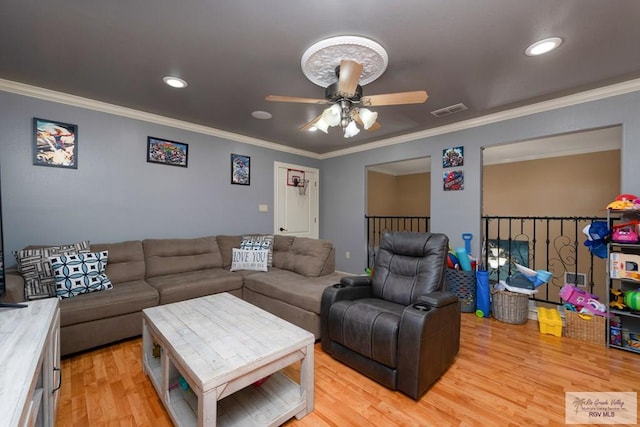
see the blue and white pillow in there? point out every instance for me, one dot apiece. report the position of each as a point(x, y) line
point(259, 242)
point(77, 274)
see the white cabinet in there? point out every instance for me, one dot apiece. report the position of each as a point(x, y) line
point(30, 359)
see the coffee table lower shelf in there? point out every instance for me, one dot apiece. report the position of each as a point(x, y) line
point(269, 404)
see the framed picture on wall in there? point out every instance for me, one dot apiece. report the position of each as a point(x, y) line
point(167, 152)
point(453, 181)
point(453, 157)
point(240, 169)
point(55, 144)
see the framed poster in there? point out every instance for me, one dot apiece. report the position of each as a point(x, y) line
point(240, 169)
point(453, 181)
point(55, 144)
point(453, 157)
point(167, 152)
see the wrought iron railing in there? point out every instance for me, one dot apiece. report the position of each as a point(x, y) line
point(554, 244)
point(376, 225)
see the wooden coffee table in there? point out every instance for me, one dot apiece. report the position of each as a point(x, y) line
point(205, 355)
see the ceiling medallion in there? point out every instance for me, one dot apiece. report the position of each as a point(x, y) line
point(319, 61)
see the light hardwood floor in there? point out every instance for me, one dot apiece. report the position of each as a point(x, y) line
point(504, 375)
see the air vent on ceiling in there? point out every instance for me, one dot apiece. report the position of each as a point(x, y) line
point(451, 109)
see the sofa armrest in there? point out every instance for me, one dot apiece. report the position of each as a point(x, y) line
point(15, 286)
point(428, 341)
point(438, 299)
point(356, 281)
point(335, 293)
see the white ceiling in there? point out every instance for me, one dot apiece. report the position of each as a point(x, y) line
point(591, 141)
point(234, 53)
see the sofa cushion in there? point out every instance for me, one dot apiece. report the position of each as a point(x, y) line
point(35, 267)
point(171, 256)
point(126, 260)
point(193, 284)
point(124, 298)
point(281, 246)
point(249, 259)
point(308, 256)
point(289, 287)
point(77, 274)
point(226, 244)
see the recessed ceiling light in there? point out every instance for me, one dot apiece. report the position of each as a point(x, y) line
point(261, 115)
point(174, 82)
point(543, 46)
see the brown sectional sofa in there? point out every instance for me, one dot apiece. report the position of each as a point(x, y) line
point(161, 271)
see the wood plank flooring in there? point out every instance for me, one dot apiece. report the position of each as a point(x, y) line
point(506, 375)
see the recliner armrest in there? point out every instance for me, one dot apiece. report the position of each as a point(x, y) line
point(438, 299)
point(356, 281)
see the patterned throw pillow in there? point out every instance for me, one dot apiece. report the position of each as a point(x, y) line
point(80, 273)
point(35, 268)
point(249, 259)
point(259, 242)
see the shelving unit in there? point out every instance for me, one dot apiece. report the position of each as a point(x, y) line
point(627, 321)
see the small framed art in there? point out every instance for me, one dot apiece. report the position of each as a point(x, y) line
point(167, 152)
point(453, 157)
point(453, 181)
point(55, 144)
point(240, 169)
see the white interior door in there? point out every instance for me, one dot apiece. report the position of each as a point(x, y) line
point(295, 210)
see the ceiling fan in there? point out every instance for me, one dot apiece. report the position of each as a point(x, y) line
point(348, 104)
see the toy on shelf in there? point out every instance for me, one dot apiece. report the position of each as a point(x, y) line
point(624, 266)
point(625, 233)
point(623, 202)
point(582, 300)
point(616, 299)
point(632, 299)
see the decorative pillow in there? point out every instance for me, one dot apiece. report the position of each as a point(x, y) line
point(35, 268)
point(249, 259)
point(259, 242)
point(80, 273)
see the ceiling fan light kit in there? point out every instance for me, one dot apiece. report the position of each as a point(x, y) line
point(352, 61)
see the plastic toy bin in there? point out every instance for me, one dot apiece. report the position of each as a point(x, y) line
point(549, 321)
point(463, 284)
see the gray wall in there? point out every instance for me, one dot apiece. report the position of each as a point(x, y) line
point(343, 188)
point(115, 195)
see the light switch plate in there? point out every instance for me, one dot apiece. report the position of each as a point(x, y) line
point(263, 208)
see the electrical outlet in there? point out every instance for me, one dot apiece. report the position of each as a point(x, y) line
point(347, 255)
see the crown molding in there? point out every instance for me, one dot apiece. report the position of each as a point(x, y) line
point(553, 104)
point(539, 107)
point(104, 107)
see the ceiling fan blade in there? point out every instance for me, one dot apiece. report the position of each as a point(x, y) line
point(310, 124)
point(398, 98)
point(278, 98)
point(349, 77)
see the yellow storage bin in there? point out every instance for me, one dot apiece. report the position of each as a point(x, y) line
point(549, 321)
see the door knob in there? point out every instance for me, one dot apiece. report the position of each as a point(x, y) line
point(282, 229)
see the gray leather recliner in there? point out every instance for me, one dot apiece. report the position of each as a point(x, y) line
point(398, 327)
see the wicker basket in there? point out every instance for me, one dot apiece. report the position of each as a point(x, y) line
point(463, 284)
point(510, 307)
point(586, 327)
